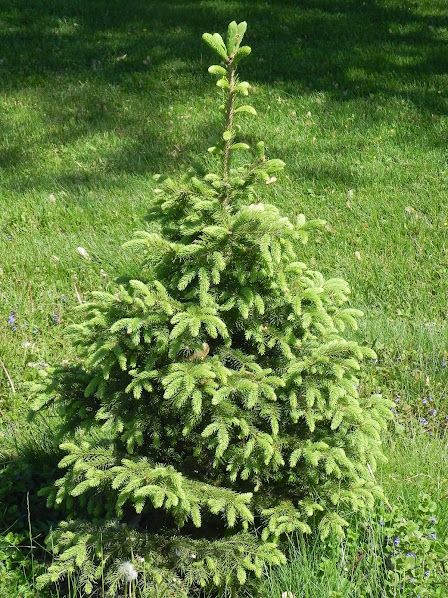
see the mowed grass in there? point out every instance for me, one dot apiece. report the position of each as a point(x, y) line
point(97, 96)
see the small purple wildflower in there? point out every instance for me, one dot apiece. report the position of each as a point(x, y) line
point(424, 401)
point(397, 541)
point(410, 553)
point(427, 573)
point(432, 412)
point(423, 421)
point(432, 536)
point(55, 318)
point(12, 321)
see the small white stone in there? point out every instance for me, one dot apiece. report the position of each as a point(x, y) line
point(83, 253)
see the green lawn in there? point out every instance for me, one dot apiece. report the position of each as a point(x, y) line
point(97, 96)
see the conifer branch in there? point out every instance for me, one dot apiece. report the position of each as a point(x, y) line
point(230, 107)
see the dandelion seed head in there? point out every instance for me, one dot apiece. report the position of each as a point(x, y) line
point(128, 571)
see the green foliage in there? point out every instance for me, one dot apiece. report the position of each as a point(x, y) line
point(390, 554)
point(214, 405)
point(416, 559)
point(16, 567)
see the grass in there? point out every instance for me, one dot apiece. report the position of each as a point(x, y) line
point(311, 573)
point(417, 464)
point(97, 96)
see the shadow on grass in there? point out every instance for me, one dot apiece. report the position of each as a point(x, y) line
point(108, 66)
point(29, 460)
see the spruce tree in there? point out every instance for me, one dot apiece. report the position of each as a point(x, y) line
point(214, 405)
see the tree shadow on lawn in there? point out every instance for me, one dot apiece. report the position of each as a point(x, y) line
point(97, 67)
point(29, 460)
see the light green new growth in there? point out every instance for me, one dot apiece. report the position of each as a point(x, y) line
point(215, 405)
